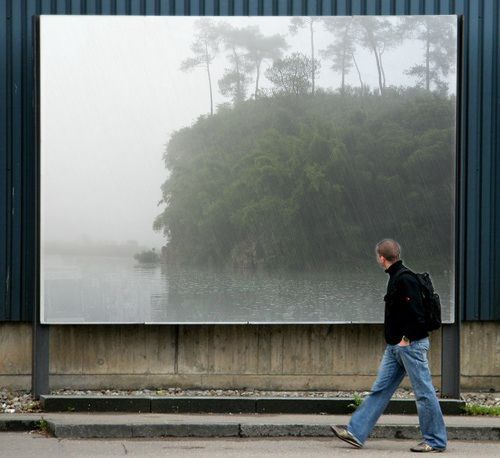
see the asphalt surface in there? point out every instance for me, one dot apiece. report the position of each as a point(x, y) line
point(20, 445)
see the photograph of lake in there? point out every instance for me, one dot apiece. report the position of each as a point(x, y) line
point(242, 169)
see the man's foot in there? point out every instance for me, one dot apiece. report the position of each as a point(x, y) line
point(426, 448)
point(346, 436)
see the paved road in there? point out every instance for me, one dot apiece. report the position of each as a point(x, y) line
point(21, 445)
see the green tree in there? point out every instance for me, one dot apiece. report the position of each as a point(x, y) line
point(378, 35)
point(439, 44)
point(234, 82)
point(292, 74)
point(297, 23)
point(341, 51)
point(260, 48)
point(205, 47)
point(310, 182)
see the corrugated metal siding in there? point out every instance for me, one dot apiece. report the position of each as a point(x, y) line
point(481, 124)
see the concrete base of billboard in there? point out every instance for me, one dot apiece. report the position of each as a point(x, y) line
point(263, 357)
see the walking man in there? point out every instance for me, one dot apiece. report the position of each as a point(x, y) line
point(406, 353)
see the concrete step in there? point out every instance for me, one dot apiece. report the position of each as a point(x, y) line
point(215, 404)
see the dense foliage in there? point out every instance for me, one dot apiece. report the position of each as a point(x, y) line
point(312, 182)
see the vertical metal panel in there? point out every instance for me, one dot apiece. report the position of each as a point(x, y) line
point(29, 151)
point(151, 8)
point(472, 144)
point(496, 209)
point(222, 7)
point(107, 7)
point(326, 8)
point(344, 7)
point(493, 32)
point(136, 7)
point(4, 259)
point(486, 75)
point(121, 6)
point(480, 136)
point(16, 155)
point(388, 7)
point(402, 7)
point(358, 7)
point(269, 8)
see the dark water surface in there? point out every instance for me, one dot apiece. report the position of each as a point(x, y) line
point(98, 289)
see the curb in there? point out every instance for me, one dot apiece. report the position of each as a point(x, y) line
point(243, 430)
point(120, 431)
point(202, 404)
point(65, 430)
point(18, 425)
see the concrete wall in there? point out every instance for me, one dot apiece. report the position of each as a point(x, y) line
point(291, 357)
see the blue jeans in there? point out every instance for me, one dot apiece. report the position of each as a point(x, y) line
point(397, 361)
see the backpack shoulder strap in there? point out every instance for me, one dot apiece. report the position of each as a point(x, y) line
point(397, 276)
point(403, 271)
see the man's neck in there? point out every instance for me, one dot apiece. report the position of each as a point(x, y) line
point(391, 264)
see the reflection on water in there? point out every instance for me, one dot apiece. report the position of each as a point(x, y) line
point(95, 289)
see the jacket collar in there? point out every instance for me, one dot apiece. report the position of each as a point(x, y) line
point(393, 268)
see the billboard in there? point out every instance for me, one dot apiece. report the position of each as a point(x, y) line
point(242, 169)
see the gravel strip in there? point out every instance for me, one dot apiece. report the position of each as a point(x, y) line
point(21, 401)
point(17, 401)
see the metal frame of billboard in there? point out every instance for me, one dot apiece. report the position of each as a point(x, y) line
point(450, 361)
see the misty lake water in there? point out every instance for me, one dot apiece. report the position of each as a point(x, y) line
point(98, 289)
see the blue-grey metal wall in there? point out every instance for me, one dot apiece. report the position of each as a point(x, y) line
point(480, 126)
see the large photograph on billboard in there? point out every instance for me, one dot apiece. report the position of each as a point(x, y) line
point(242, 169)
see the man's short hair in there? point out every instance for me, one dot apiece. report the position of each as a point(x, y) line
point(389, 249)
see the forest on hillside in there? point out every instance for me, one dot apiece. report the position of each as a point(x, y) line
point(296, 176)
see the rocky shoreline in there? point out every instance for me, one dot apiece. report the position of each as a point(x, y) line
point(22, 401)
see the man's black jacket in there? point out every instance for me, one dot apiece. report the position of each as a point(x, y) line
point(404, 310)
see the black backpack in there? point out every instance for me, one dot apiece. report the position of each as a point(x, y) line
point(430, 299)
